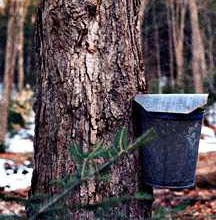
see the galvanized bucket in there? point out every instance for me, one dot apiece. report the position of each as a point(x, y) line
point(169, 161)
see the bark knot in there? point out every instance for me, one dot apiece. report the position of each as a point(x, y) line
point(91, 9)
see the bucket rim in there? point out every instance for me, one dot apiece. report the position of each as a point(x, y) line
point(171, 103)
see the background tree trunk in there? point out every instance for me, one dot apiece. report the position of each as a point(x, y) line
point(171, 53)
point(178, 10)
point(198, 52)
point(157, 45)
point(10, 63)
point(90, 67)
point(22, 10)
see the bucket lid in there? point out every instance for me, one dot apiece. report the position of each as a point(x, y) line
point(171, 103)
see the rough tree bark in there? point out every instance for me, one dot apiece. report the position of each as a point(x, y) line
point(90, 67)
point(198, 52)
point(10, 63)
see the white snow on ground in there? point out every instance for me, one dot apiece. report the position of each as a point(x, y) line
point(208, 142)
point(22, 142)
point(19, 180)
point(206, 146)
point(19, 145)
point(13, 177)
point(207, 132)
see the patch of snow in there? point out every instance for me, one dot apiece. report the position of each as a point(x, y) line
point(208, 145)
point(27, 163)
point(211, 114)
point(19, 180)
point(3, 174)
point(31, 129)
point(18, 144)
point(207, 132)
point(25, 134)
point(208, 140)
point(13, 177)
point(22, 142)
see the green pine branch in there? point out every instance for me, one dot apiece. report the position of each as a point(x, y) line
point(119, 148)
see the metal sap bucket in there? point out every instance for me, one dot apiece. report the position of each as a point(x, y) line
point(169, 161)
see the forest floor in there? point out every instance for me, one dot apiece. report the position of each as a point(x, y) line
point(198, 203)
point(195, 204)
point(16, 169)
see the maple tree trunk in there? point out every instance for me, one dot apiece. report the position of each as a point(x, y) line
point(90, 67)
point(10, 63)
point(198, 52)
